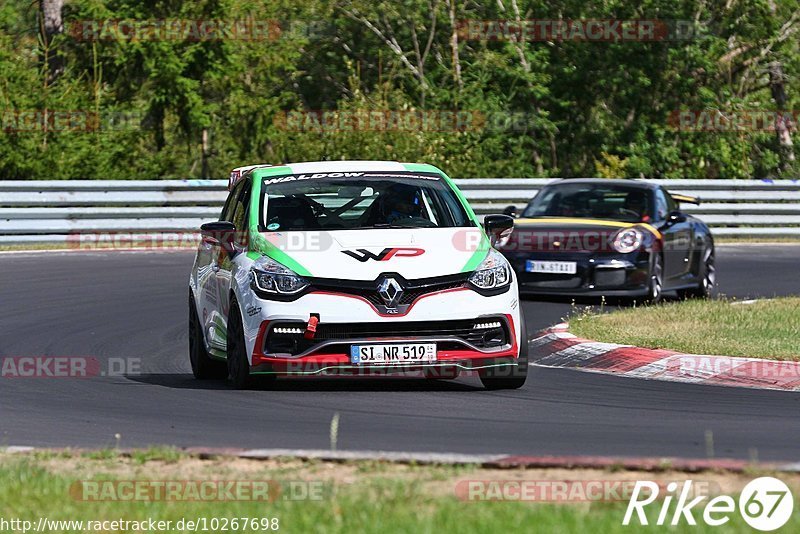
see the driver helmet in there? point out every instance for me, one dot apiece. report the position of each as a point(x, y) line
point(636, 201)
point(401, 201)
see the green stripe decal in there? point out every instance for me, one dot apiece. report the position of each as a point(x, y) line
point(483, 248)
point(258, 244)
point(479, 255)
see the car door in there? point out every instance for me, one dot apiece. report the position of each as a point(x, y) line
point(207, 299)
point(238, 215)
point(677, 236)
point(214, 310)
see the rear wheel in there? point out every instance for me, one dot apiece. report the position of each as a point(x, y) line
point(509, 377)
point(203, 366)
point(708, 279)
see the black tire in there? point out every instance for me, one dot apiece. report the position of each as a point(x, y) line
point(655, 286)
point(238, 364)
point(509, 377)
point(708, 279)
point(204, 367)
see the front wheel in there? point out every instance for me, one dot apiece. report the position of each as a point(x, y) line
point(509, 377)
point(238, 364)
point(655, 292)
point(708, 279)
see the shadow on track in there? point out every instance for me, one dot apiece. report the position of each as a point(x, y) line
point(366, 384)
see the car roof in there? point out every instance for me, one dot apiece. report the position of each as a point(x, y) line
point(341, 166)
point(333, 166)
point(330, 166)
point(606, 181)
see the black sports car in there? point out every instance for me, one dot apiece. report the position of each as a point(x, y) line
point(613, 238)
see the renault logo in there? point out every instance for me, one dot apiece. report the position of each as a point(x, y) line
point(390, 291)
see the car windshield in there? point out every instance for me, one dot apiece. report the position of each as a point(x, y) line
point(356, 200)
point(591, 201)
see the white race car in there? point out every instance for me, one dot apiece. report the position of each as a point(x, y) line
point(350, 268)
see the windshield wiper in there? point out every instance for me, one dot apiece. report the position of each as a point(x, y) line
point(390, 225)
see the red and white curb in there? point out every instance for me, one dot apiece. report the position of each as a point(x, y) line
point(488, 461)
point(556, 347)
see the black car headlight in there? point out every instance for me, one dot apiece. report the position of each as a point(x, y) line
point(627, 240)
point(494, 272)
point(270, 277)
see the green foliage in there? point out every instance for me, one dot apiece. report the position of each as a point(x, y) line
point(555, 108)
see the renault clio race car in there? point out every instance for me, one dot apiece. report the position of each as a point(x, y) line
point(611, 238)
point(353, 267)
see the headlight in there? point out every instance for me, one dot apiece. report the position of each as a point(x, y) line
point(269, 276)
point(627, 240)
point(494, 272)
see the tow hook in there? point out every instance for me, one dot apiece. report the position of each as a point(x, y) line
point(311, 327)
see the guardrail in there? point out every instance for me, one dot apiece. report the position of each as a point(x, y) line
point(53, 210)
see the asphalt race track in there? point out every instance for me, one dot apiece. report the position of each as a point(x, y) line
point(133, 305)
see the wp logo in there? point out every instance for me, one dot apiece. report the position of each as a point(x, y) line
point(386, 254)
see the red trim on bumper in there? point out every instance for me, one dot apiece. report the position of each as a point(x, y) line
point(315, 362)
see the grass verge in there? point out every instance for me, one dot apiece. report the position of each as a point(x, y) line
point(761, 329)
point(358, 496)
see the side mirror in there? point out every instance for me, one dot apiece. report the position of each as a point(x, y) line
point(676, 217)
point(511, 211)
point(498, 228)
point(222, 233)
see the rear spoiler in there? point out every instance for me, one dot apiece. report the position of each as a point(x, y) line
point(686, 198)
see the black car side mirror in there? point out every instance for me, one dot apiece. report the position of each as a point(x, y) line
point(511, 211)
point(498, 227)
point(222, 233)
point(676, 217)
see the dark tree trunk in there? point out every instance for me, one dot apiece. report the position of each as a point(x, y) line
point(51, 26)
point(206, 153)
point(783, 126)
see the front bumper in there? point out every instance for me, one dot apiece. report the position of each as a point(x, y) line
point(442, 317)
point(339, 365)
point(611, 275)
point(483, 342)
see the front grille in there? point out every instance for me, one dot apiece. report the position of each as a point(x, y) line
point(412, 289)
point(609, 277)
point(463, 330)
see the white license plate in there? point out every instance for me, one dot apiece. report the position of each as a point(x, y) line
point(396, 353)
point(551, 267)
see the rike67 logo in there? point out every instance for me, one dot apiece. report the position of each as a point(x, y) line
point(765, 504)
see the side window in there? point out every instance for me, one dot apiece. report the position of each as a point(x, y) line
point(241, 208)
point(230, 202)
point(662, 205)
